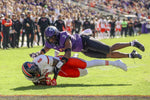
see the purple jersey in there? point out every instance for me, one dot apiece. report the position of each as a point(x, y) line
point(75, 39)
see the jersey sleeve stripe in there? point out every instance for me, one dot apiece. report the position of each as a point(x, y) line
point(47, 60)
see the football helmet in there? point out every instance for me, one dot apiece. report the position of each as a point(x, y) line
point(52, 35)
point(31, 70)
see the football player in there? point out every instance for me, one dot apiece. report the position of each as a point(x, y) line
point(38, 70)
point(64, 42)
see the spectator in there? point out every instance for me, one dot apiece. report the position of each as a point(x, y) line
point(28, 25)
point(73, 25)
point(124, 27)
point(112, 28)
point(77, 25)
point(86, 24)
point(92, 27)
point(68, 24)
point(16, 29)
point(43, 23)
point(60, 24)
point(137, 26)
point(36, 31)
point(52, 22)
point(6, 24)
point(23, 30)
point(118, 27)
point(130, 28)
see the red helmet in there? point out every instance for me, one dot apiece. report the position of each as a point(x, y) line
point(31, 70)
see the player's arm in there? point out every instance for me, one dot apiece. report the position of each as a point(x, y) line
point(67, 48)
point(42, 51)
point(40, 82)
point(59, 63)
point(43, 81)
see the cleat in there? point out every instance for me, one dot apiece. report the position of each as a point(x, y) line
point(138, 45)
point(134, 54)
point(120, 64)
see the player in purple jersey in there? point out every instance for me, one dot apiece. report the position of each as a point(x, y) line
point(64, 42)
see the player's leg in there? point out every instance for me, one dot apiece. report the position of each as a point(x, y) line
point(96, 54)
point(43, 40)
point(117, 63)
point(66, 71)
point(134, 43)
point(94, 45)
point(28, 39)
point(97, 46)
point(22, 41)
point(77, 63)
point(74, 62)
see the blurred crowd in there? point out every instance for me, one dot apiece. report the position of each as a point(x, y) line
point(25, 21)
point(140, 8)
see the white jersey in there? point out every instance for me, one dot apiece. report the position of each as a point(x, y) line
point(102, 23)
point(118, 24)
point(97, 24)
point(45, 64)
point(68, 22)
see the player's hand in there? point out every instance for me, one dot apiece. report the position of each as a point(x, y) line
point(53, 82)
point(27, 24)
point(48, 81)
point(33, 55)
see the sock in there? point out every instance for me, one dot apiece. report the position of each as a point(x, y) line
point(93, 63)
point(130, 56)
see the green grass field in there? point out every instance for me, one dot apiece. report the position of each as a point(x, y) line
point(102, 80)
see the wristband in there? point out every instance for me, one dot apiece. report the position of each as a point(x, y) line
point(64, 58)
point(43, 50)
point(68, 49)
point(59, 64)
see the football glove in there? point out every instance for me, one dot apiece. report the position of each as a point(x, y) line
point(33, 55)
point(53, 82)
point(48, 81)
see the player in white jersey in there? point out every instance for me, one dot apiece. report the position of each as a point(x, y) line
point(97, 26)
point(38, 70)
point(102, 27)
point(118, 27)
point(68, 24)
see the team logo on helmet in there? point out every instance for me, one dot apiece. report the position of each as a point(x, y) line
point(51, 31)
point(31, 70)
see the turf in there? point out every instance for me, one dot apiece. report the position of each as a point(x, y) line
point(101, 80)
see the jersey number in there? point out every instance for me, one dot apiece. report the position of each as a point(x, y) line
point(39, 60)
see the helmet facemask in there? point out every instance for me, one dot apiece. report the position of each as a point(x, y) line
point(52, 35)
point(54, 40)
point(31, 70)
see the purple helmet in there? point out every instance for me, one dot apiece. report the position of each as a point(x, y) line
point(52, 32)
